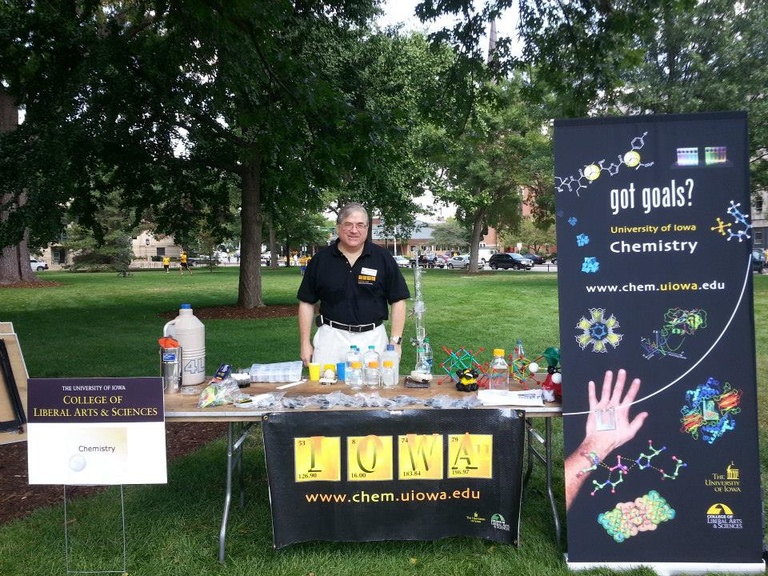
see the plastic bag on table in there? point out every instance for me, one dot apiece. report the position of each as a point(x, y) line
point(445, 402)
point(219, 393)
point(348, 400)
point(374, 400)
point(300, 402)
point(403, 401)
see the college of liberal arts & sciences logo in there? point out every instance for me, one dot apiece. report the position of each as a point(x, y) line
point(498, 522)
point(721, 517)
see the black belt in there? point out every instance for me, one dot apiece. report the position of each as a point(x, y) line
point(320, 320)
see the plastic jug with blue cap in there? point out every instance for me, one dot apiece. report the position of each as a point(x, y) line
point(190, 333)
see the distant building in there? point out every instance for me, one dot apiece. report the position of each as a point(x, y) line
point(420, 239)
point(148, 251)
point(149, 248)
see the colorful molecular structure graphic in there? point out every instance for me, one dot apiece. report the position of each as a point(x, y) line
point(678, 325)
point(628, 519)
point(624, 466)
point(590, 265)
point(598, 331)
point(593, 170)
point(710, 410)
point(739, 219)
point(460, 360)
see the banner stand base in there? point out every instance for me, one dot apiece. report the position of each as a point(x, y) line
point(671, 568)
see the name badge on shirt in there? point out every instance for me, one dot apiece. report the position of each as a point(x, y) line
point(367, 275)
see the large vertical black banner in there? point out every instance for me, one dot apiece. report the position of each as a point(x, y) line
point(380, 475)
point(655, 295)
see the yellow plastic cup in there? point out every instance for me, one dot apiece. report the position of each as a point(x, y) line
point(314, 371)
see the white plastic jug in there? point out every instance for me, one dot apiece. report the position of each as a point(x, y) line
point(190, 333)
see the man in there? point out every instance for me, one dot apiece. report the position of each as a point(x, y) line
point(166, 263)
point(303, 261)
point(355, 281)
point(184, 263)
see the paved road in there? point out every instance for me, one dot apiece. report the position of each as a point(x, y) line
point(547, 267)
point(536, 268)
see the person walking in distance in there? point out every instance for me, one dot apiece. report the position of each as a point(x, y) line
point(184, 259)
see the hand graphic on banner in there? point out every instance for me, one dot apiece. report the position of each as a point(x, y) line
point(608, 427)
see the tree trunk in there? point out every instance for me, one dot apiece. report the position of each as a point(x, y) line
point(251, 219)
point(14, 260)
point(474, 244)
point(287, 252)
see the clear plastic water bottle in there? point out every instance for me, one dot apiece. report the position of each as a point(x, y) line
point(352, 355)
point(355, 375)
point(428, 358)
point(388, 377)
point(391, 354)
point(371, 368)
point(499, 371)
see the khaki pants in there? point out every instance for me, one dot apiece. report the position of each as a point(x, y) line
point(331, 344)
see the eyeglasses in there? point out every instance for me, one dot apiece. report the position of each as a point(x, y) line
point(349, 226)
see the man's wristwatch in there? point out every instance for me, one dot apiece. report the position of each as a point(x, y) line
point(396, 340)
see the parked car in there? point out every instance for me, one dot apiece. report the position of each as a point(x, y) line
point(508, 261)
point(484, 255)
point(526, 262)
point(37, 265)
point(534, 257)
point(402, 261)
point(208, 260)
point(460, 261)
point(427, 260)
point(758, 261)
point(441, 260)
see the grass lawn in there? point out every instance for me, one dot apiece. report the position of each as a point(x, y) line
point(104, 325)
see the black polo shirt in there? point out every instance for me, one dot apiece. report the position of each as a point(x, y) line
point(357, 294)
